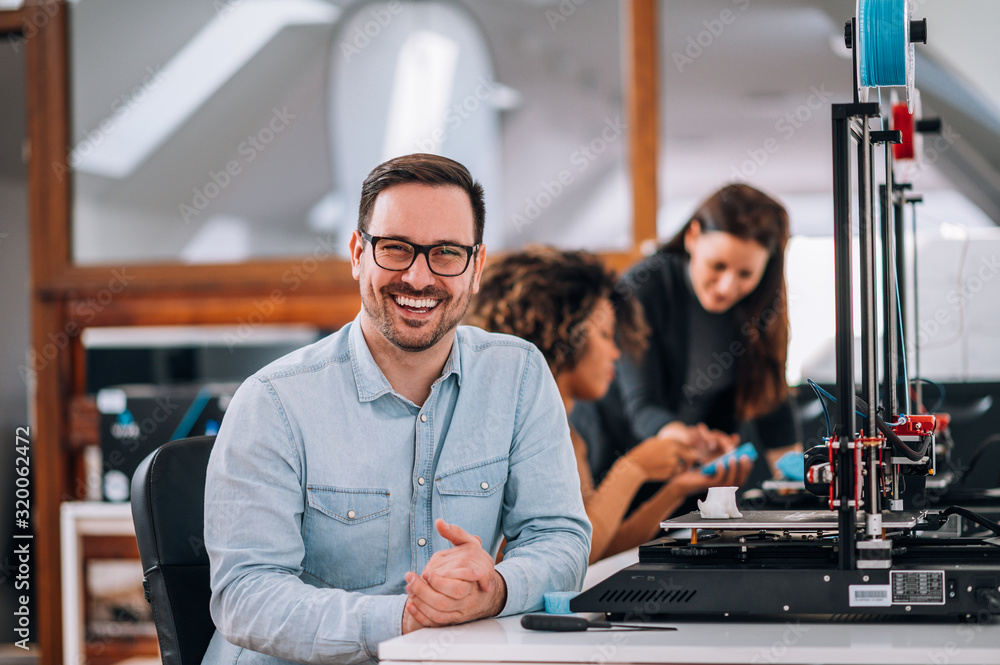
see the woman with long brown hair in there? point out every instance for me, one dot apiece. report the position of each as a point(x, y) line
point(567, 305)
point(714, 297)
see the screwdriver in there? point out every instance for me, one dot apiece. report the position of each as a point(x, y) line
point(567, 623)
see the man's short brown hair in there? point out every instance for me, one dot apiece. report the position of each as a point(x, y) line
point(423, 168)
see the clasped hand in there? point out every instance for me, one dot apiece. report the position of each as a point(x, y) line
point(458, 584)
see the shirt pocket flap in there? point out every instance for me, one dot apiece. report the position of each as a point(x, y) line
point(349, 506)
point(481, 479)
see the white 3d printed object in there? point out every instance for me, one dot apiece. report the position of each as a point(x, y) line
point(719, 504)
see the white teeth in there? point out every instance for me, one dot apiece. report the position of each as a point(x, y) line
point(423, 303)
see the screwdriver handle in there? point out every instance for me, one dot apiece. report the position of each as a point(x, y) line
point(554, 622)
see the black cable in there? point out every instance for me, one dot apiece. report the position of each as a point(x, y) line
point(938, 386)
point(819, 395)
point(975, 517)
point(991, 598)
point(980, 449)
point(948, 443)
point(894, 440)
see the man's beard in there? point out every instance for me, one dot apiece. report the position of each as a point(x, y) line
point(379, 310)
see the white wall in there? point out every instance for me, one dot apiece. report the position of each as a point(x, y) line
point(958, 314)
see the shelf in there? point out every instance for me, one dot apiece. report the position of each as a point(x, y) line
point(96, 530)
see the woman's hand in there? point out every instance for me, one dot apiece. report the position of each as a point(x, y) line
point(713, 442)
point(733, 474)
point(709, 442)
point(678, 430)
point(662, 458)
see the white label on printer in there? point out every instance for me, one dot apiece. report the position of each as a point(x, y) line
point(870, 595)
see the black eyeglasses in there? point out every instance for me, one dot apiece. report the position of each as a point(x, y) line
point(446, 260)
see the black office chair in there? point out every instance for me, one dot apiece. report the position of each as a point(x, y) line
point(168, 509)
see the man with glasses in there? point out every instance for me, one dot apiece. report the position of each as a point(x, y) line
point(361, 487)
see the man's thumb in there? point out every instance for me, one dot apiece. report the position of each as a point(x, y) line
point(456, 534)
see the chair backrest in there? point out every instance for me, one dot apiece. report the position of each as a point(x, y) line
point(168, 509)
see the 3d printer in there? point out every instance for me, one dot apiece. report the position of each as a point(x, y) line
point(868, 554)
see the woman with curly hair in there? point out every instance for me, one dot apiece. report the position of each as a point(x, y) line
point(567, 305)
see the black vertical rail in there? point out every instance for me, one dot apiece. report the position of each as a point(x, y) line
point(916, 306)
point(866, 260)
point(890, 321)
point(842, 238)
point(898, 216)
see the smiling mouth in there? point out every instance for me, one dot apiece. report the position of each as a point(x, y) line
point(416, 305)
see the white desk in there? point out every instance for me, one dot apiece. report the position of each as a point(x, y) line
point(791, 642)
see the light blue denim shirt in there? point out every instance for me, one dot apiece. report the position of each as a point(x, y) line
point(324, 485)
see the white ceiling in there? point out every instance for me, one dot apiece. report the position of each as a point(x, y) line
point(735, 105)
point(741, 106)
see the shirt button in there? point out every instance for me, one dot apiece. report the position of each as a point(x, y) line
point(485, 485)
point(351, 514)
point(423, 417)
point(422, 542)
point(420, 481)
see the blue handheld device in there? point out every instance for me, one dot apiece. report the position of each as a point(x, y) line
point(744, 450)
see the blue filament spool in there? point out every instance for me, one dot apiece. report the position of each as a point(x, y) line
point(885, 54)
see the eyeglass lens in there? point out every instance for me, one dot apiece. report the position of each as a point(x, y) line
point(445, 260)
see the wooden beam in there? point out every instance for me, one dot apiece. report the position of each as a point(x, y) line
point(48, 122)
point(52, 474)
point(249, 312)
point(317, 272)
point(643, 112)
point(47, 73)
point(11, 22)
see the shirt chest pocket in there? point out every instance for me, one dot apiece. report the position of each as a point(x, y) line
point(472, 497)
point(347, 536)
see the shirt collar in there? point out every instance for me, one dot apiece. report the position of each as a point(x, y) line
point(370, 380)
